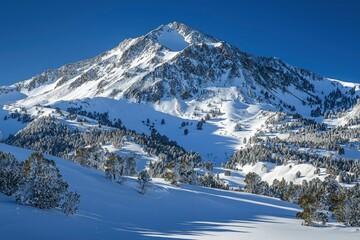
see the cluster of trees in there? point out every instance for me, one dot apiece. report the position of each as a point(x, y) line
point(320, 200)
point(48, 135)
point(208, 180)
point(285, 123)
point(21, 116)
point(337, 100)
point(181, 170)
point(116, 167)
point(281, 154)
point(353, 121)
point(183, 124)
point(332, 139)
point(302, 133)
point(102, 118)
point(36, 182)
point(334, 103)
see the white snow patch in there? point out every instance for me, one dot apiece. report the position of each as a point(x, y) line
point(171, 39)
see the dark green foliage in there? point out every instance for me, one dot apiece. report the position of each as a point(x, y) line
point(10, 174)
point(41, 186)
point(199, 125)
point(277, 151)
point(144, 181)
point(352, 208)
point(69, 203)
point(21, 116)
point(318, 199)
point(321, 216)
point(36, 182)
point(102, 118)
point(308, 203)
point(50, 136)
point(186, 131)
point(253, 183)
point(208, 180)
point(116, 167)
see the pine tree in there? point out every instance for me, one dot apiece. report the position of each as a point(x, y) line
point(186, 131)
point(144, 181)
point(352, 207)
point(10, 174)
point(114, 168)
point(308, 203)
point(336, 199)
point(199, 125)
point(129, 166)
point(172, 174)
point(253, 182)
point(41, 186)
point(70, 202)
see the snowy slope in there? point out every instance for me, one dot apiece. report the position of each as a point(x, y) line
point(110, 211)
point(215, 142)
point(10, 126)
point(269, 172)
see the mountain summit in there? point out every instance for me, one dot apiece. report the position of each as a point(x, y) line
point(176, 36)
point(175, 61)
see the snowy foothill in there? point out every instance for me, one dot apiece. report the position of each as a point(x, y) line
point(111, 211)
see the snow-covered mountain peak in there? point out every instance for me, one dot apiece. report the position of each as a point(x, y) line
point(175, 61)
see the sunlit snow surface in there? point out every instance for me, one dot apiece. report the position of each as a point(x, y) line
point(172, 39)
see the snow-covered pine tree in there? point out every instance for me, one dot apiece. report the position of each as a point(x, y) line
point(144, 181)
point(10, 174)
point(70, 202)
point(352, 206)
point(308, 203)
point(173, 174)
point(114, 168)
point(41, 186)
point(253, 182)
point(129, 166)
point(335, 199)
point(208, 180)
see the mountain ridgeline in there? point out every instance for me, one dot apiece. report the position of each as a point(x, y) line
point(176, 61)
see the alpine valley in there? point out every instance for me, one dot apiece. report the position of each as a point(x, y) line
point(178, 134)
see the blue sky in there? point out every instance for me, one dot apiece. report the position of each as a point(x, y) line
point(322, 36)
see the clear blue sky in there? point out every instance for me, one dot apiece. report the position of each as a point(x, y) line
point(322, 36)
